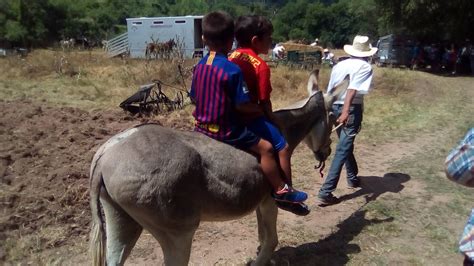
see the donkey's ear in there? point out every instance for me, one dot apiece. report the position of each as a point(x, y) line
point(313, 82)
point(340, 88)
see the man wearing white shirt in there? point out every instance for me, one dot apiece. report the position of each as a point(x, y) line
point(349, 109)
point(328, 57)
point(278, 51)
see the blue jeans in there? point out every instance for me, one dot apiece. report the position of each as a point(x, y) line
point(344, 154)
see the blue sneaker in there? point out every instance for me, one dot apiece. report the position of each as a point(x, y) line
point(288, 194)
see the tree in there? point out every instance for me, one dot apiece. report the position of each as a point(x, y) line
point(291, 19)
point(334, 22)
point(189, 7)
point(11, 29)
point(427, 19)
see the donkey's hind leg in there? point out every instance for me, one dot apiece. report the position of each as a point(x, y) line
point(122, 233)
point(267, 213)
point(175, 244)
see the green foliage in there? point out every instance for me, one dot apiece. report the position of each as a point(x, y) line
point(14, 31)
point(334, 22)
point(189, 7)
point(427, 19)
point(289, 21)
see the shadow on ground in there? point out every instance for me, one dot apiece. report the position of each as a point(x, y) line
point(374, 186)
point(335, 248)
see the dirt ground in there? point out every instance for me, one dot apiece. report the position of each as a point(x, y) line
point(45, 153)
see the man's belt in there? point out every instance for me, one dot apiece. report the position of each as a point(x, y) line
point(213, 128)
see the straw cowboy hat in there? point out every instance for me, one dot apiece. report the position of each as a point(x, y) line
point(360, 47)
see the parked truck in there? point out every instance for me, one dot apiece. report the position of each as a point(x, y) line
point(394, 50)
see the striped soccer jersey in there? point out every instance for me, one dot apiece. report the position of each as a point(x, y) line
point(217, 87)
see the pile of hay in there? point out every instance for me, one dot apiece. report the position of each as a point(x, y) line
point(290, 46)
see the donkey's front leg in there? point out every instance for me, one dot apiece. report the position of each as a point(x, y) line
point(267, 213)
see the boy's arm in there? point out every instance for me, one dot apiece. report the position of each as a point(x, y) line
point(264, 91)
point(243, 105)
point(192, 91)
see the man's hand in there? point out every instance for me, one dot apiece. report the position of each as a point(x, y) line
point(342, 119)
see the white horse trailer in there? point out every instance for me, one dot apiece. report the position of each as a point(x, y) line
point(186, 32)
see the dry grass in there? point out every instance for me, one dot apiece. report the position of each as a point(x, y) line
point(85, 79)
point(90, 80)
point(405, 102)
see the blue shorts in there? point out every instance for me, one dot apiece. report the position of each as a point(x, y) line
point(263, 128)
point(242, 138)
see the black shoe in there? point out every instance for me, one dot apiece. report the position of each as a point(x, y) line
point(299, 209)
point(328, 200)
point(353, 183)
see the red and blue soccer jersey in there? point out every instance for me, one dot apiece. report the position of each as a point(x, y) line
point(217, 87)
point(256, 73)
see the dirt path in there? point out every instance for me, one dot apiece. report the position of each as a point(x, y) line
point(44, 158)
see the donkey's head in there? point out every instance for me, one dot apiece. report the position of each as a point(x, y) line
point(319, 137)
point(309, 120)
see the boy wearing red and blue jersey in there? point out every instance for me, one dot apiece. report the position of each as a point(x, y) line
point(221, 96)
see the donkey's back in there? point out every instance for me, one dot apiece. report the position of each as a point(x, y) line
point(181, 173)
point(167, 181)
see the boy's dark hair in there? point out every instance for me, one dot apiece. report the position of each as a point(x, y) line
point(248, 26)
point(217, 28)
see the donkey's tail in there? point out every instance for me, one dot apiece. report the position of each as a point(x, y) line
point(97, 236)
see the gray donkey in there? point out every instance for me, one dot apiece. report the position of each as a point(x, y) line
point(167, 181)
